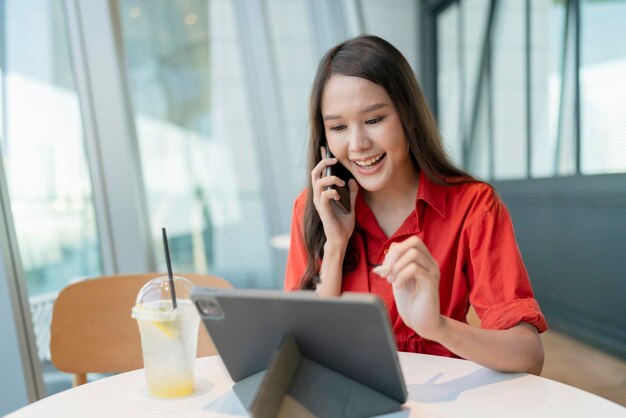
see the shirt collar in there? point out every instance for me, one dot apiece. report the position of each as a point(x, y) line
point(432, 193)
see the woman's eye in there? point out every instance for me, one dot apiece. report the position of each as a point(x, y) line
point(373, 121)
point(338, 128)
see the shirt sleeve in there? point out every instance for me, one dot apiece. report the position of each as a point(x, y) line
point(298, 257)
point(500, 289)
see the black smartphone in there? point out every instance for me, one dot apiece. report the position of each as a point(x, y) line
point(344, 192)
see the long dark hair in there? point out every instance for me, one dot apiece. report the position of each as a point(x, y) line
point(376, 60)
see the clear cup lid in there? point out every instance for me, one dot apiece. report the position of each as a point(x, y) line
point(154, 300)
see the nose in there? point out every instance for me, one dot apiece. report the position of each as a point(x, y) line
point(358, 139)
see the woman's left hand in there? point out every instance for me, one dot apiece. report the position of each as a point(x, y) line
point(414, 276)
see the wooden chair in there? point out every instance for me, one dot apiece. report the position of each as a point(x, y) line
point(92, 330)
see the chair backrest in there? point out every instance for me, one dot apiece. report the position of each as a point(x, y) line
point(92, 330)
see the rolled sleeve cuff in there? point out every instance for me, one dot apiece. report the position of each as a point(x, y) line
point(508, 314)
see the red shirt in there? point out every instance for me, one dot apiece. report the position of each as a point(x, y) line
point(468, 231)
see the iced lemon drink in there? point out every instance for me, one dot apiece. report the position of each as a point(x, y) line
point(169, 339)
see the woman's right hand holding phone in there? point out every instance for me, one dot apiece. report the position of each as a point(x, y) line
point(338, 226)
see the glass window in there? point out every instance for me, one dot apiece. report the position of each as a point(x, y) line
point(552, 67)
point(491, 138)
point(508, 91)
point(603, 86)
point(44, 158)
point(476, 133)
point(463, 91)
point(449, 81)
point(395, 22)
point(478, 160)
point(200, 168)
point(295, 64)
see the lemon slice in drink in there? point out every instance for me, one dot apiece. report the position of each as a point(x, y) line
point(166, 327)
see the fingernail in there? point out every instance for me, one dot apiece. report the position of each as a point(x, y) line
point(382, 271)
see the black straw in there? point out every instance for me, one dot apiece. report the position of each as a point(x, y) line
point(169, 267)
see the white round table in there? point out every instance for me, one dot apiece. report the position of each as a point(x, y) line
point(438, 387)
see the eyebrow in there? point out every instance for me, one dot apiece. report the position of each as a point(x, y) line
point(366, 109)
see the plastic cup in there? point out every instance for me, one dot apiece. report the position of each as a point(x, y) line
point(169, 338)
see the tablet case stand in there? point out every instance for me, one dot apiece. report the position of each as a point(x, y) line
point(294, 386)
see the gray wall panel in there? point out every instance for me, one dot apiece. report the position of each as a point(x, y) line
point(572, 234)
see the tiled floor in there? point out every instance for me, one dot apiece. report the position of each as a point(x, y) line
point(571, 362)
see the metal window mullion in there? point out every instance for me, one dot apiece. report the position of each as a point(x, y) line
point(438, 6)
point(3, 100)
point(355, 19)
point(92, 151)
point(462, 72)
point(490, 119)
point(468, 137)
point(560, 116)
point(432, 80)
point(529, 96)
point(577, 104)
point(328, 23)
point(12, 271)
point(111, 144)
point(428, 65)
point(267, 118)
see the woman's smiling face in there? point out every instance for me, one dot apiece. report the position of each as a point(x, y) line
point(364, 132)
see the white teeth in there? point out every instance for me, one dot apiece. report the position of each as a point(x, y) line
point(367, 163)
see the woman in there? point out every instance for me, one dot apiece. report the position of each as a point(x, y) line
point(444, 239)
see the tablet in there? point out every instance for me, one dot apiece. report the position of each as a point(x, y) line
point(350, 334)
